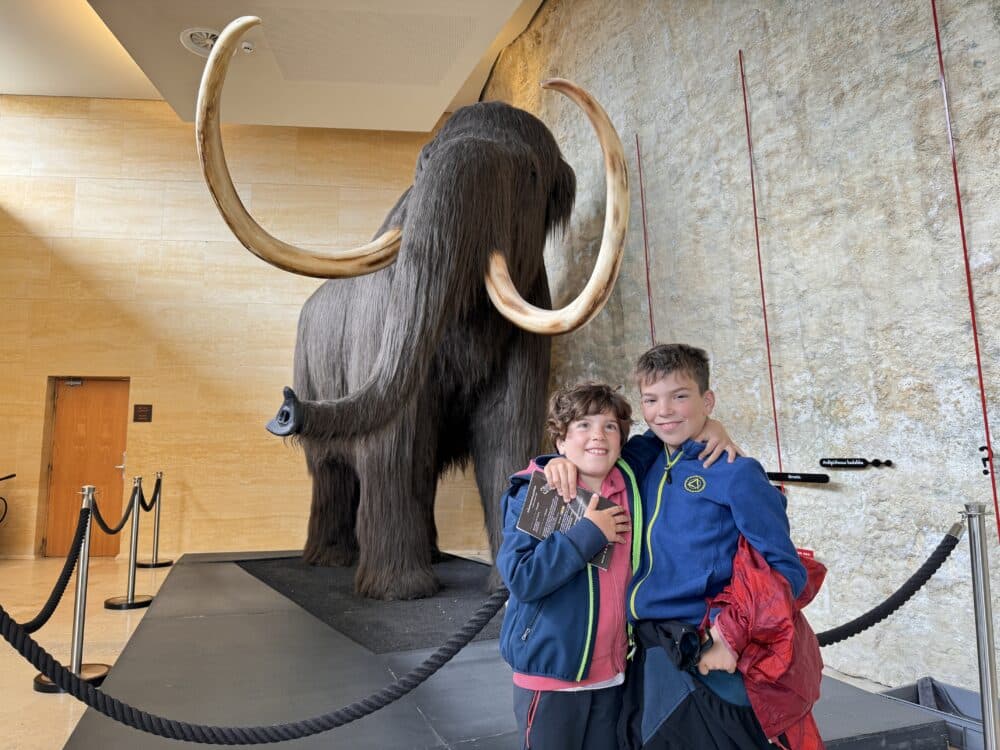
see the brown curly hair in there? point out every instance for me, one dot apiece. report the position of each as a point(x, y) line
point(576, 402)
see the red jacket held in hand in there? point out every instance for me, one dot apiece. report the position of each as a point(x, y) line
point(777, 651)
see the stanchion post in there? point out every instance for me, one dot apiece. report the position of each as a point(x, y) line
point(92, 673)
point(155, 561)
point(976, 514)
point(82, 571)
point(130, 600)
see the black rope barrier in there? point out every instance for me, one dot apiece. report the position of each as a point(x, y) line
point(896, 600)
point(60, 588)
point(121, 525)
point(180, 730)
point(153, 499)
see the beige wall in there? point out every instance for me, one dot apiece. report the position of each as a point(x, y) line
point(114, 262)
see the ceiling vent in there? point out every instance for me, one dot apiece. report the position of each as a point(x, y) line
point(199, 40)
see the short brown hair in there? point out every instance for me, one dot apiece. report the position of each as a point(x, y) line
point(663, 359)
point(576, 402)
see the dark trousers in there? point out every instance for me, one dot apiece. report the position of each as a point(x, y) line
point(575, 720)
point(665, 708)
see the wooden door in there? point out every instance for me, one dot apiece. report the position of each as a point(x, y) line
point(88, 447)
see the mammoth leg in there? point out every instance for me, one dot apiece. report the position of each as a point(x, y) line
point(331, 539)
point(507, 426)
point(395, 549)
point(424, 492)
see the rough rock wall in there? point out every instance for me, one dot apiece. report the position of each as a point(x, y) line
point(862, 262)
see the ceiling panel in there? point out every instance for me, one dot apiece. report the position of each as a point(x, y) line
point(379, 64)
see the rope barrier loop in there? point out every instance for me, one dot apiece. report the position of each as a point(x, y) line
point(156, 496)
point(899, 597)
point(39, 620)
point(121, 524)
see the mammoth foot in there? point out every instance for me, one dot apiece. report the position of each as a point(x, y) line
point(333, 556)
point(288, 420)
point(416, 583)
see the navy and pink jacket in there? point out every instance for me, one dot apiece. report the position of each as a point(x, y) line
point(565, 620)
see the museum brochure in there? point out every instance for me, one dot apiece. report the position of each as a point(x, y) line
point(544, 512)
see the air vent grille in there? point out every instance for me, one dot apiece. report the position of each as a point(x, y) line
point(199, 40)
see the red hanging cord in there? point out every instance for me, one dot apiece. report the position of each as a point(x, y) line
point(645, 242)
point(968, 267)
point(760, 266)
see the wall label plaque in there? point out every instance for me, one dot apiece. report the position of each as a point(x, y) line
point(853, 463)
point(142, 413)
point(795, 476)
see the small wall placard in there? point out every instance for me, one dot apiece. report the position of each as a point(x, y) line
point(142, 413)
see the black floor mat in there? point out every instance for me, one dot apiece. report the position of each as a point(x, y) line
point(379, 626)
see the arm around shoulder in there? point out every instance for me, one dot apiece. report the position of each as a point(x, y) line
point(641, 451)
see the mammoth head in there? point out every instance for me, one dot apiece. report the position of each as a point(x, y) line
point(556, 203)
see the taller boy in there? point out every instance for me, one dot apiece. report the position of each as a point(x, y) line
point(692, 518)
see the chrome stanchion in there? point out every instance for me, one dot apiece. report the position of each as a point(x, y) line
point(975, 513)
point(155, 561)
point(92, 673)
point(130, 600)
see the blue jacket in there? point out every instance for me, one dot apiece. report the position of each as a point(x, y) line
point(551, 620)
point(692, 520)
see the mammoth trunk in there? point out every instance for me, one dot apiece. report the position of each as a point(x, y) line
point(454, 216)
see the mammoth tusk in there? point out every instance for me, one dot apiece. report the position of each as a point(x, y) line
point(377, 254)
point(590, 301)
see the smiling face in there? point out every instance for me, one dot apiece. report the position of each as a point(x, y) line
point(674, 408)
point(593, 443)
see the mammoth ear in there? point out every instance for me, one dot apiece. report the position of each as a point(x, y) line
point(561, 197)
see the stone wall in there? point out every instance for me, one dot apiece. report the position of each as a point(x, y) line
point(861, 252)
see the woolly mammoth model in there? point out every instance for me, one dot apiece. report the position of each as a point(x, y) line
point(423, 354)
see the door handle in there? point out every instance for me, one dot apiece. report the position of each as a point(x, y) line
point(121, 465)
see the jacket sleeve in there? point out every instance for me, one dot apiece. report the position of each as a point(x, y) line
point(759, 513)
point(641, 451)
point(542, 460)
point(534, 568)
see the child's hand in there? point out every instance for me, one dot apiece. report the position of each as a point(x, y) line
point(561, 474)
point(718, 656)
point(613, 522)
point(717, 442)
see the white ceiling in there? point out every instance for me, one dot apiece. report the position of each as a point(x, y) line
point(365, 64)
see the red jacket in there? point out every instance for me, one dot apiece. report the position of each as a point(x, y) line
point(778, 653)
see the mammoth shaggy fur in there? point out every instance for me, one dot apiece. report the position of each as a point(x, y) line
point(428, 375)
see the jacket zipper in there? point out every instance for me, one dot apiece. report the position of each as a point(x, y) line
point(667, 466)
point(591, 616)
point(531, 623)
point(636, 507)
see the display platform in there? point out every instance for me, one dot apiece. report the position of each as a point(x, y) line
point(220, 647)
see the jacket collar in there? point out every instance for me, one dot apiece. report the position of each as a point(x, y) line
point(690, 448)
